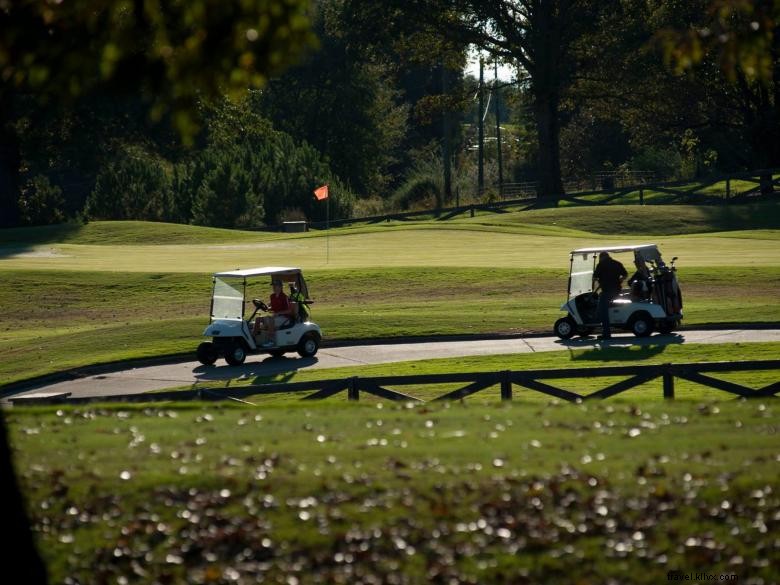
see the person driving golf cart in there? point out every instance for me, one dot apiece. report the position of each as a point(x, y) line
point(281, 312)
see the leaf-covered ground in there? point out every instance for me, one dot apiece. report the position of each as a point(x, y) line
point(611, 492)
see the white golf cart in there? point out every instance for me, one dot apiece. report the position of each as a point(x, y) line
point(654, 301)
point(231, 331)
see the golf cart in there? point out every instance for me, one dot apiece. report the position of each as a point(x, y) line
point(231, 330)
point(653, 302)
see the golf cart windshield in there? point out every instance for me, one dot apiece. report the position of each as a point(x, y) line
point(584, 260)
point(227, 299)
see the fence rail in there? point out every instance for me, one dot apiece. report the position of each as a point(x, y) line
point(765, 182)
point(507, 380)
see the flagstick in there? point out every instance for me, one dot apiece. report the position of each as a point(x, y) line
point(327, 230)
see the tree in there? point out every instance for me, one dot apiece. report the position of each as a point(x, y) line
point(169, 52)
point(742, 38)
point(538, 35)
point(341, 99)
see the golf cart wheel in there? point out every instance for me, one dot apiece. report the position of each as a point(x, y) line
point(308, 345)
point(565, 327)
point(667, 326)
point(235, 354)
point(641, 324)
point(207, 353)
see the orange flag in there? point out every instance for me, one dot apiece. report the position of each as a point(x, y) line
point(321, 193)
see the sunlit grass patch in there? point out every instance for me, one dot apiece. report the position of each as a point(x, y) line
point(338, 490)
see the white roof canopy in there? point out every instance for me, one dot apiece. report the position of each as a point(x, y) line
point(261, 271)
point(616, 249)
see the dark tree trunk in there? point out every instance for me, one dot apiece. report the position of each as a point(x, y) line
point(547, 132)
point(19, 556)
point(10, 158)
point(548, 47)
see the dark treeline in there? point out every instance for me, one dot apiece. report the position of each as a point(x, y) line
point(379, 107)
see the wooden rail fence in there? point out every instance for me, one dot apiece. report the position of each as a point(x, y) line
point(528, 380)
point(765, 182)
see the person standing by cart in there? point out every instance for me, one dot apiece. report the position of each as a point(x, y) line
point(610, 274)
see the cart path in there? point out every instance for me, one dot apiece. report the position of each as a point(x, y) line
point(159, 377)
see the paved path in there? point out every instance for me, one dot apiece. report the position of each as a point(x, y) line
point(145, 379)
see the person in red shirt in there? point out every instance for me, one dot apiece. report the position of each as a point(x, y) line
point(280, 310)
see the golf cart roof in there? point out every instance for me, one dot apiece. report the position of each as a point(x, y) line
point(615, 249)
point(261, 271)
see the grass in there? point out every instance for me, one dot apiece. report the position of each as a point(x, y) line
point(74, 318)
point(535, 491)
point(108, 291)
point(652, 220)
point(573, 358)
point(527, 493)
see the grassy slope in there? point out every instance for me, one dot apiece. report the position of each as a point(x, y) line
point(527, 493)
point(112, 290)
point(653, 220)
point(471, 493)
point(78, 318)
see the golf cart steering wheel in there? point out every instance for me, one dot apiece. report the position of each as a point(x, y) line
point(260, 304)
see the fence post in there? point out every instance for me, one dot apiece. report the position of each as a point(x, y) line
point(728, 188)
point(352, 389)
point(641, 196)
point(668, 382)
point(506, 385)
point(472, 211)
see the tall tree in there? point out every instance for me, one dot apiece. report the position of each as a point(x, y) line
point(171, 52)
point(538, 35)
point(343, 101)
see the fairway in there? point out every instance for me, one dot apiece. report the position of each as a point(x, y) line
point(455, 245)
point(108, 291)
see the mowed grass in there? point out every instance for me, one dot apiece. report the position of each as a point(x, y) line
point(475, 492)
point(329, 493)
point(651, 219)
point(105, 291)
point(415, 245)
point(67, 319)
point(588, 355)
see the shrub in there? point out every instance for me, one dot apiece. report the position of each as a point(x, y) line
point(41, 203)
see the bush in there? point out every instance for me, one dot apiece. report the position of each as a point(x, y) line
point(133, 186)
point(41, 203)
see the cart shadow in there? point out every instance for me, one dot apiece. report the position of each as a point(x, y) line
point(620, 348)
point(256, 371)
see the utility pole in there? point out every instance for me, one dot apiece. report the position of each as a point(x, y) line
point(498, 134)
point(481, 126)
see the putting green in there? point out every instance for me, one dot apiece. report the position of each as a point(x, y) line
point(408, 246)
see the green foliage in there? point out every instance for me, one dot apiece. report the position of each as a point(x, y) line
point(243, 174)
point(173, 52)
point(133, 186)
point(41, 202)
point(225, 197)
point(342, 102)
point(740, 35)
point(422, 186)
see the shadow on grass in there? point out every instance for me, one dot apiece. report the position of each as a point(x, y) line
point(620, 349)
point(15, 241)
point(271, 369)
